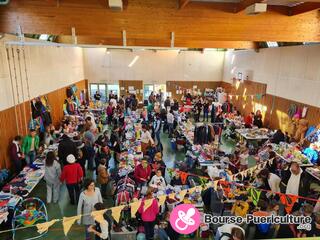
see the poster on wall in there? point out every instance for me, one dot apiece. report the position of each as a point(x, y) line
point(122, 89)
point(132, 91)
point(195, 86)
point(130, 88)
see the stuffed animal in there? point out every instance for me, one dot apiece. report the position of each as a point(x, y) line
point(301, 130)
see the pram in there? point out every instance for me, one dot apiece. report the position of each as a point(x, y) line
point(29, 212)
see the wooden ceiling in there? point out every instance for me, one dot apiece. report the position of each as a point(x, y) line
point(150, 22)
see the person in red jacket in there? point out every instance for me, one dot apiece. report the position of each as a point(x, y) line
point(248, 121)
point(142, 173)
point(149, 214)
point(72, 174)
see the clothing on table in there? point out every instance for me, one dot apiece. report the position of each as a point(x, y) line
point(312, 154)
point(86, 205)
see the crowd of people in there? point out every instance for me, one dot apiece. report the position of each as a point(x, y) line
point(89, 154)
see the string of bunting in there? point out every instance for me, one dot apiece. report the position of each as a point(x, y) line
point(287, 199)
point(258, 96)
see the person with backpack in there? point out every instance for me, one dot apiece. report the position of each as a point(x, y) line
point(101, 229)
point(230, 232)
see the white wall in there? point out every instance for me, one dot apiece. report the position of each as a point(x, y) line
point(48, 69)
point(152, 67)
point(289, 72)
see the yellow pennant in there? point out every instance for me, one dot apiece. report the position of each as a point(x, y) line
point(162, 199)
point(98, 215)
point(134, 208)
point(172, 195)
point(116, 212)
point(43, 227)
point(191, 190)
point(147, 204)
point(183, 193)
point(67, 222)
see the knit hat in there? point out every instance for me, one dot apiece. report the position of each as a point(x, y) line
point(71, 159)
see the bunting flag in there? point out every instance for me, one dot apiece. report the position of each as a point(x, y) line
point(191, 190)
point(134, 206)
point(172, 195)
point(203, 181)
point(183, 177)
point(288, 201)
point(67, 222)
point(147, 203)
point(255, 195)
point(43, 227)
point(183, 193)
point(98, 215)
point(162, 199)
point(116, 212)
point(215, 185)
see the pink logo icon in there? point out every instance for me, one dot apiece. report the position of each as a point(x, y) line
point(185, 218)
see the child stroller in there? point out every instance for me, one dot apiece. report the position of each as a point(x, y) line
point(29, 212)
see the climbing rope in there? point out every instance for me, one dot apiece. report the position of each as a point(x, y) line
point(16, 81)
point(12, 90)
point(22, 91)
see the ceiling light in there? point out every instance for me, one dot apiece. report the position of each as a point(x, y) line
point(44, 37)
point(133, 61)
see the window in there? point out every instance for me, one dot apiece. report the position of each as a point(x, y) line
point(272, 44)
point(147, 90)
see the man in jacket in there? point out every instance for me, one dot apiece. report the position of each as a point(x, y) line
point(65, 148)
point(297, 183)
point(30, 146)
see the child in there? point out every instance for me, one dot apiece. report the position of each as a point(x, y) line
point(103, 176)
point(157, 181)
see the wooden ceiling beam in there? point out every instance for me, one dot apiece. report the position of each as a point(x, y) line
point(303, 8)
point(183, 3)
point(245, 3)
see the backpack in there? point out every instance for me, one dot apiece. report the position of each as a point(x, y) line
point(225, 235)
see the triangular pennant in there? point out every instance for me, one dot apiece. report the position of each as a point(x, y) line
point(43, 227)
point(172, 195)
point(134, 206)
point(191, 190)
point(255, 195)
point(265, 164)
point(215, 185)
point(116, 212)
point(183, 193)
point(67, 222)
point(288, 201)
point(183, 177)
point(98, 215)
point(147, 203)
point(203, 181)
point(162, 199)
